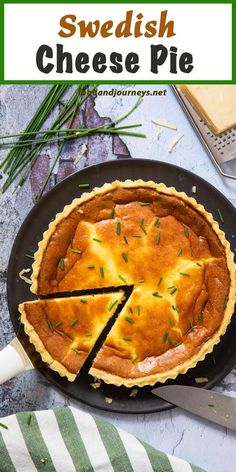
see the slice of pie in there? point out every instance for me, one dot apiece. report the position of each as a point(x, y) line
point(174, 255)
point(64, 330)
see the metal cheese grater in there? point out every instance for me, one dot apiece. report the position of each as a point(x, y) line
point(221, 148)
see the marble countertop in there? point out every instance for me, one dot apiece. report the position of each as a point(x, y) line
point(207, 445)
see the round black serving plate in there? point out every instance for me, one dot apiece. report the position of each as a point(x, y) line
point(215, 366)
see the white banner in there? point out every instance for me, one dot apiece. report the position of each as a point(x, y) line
point(118, 42)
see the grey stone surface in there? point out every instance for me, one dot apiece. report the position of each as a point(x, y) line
point(196, 440)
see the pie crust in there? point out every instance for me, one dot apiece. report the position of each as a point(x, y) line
point(153, 233)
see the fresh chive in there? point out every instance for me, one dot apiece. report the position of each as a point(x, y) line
point(50, 326)
point(118, 228)
point(173, 290)
point(83, 300)
point(112, 212)
point(29, 256)
point(73, 323)
point(77, 350)
point(220, 215)
point(84, 185)
point(88, 335)
point(125, 240)
point(76, 251)
point(158, 237)
point(136, 236)
point(62, 264)
point(198, 264)
point(226, 302)
point(141, 281)
point(122, 278)
point(58, 324)
point(175, 308)
point(125, 257)
point(134, 359)
point(185, 274)
point(165, 337)
point(191, 326)
point(91, 267)
point(139, 310)
point(29, 420)
point(4, 426)
point(97, 240)
point(157, 223)
point(127, 338)
point(156, 294)
point(112, 305)
point(179, 252)
point(101, 272)
point(172, 323)
point(159, 282)
point(144, 230)
point(211, 405)
point(186, 232)
point(130, 309)
point(129, 320)
point(200, 317)
point(142, 223)
point(144, 204)
point(170, 341)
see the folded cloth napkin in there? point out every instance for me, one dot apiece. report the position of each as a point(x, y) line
point(69, 440)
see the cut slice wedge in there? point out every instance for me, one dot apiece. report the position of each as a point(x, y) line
point(65, 330)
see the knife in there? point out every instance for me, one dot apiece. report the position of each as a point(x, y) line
point(13, 360)
point(216, 407)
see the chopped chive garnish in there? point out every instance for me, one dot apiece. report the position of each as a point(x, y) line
point(185, 274)
point(130, 309)
point(179, 252)
point(125, 257)
point(73, 323)
point(191, 326)
point(29, 256)
point(129, 320)
point(83, 300)
point(77, 251)
point(175, 308)
point(125, 240)
point(4, 426)
point(144, 230)
point(165, 337)
point(62, 264)
point(220, 215)
point(226, 302)
point(58, 324)
point(101, 272)
point(112, 305)
point(170, 341)
point(200, 317)
point(135, 358)
point(198, 264)
point(91, 267)
point(29, 420)
point(84, 185)
point(136, 236)
point(112, 212)
point(157, 223)
point(141, 281)
point(159, 282)
point(173, 290)
point(172, 323)
point(186, 232)
point(122, 278)
point(97, 240)
point(144, 204)
point(50, 326)
point(127, 338)
point(88, 335)
point(142, 223)
point(156, 294)
point(211, 405)
point(118, 228)
point(139, 310)
point(158, 237)
point(77, 351)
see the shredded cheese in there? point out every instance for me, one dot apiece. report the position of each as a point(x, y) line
point(194, 189)
point(108, 400)
point(133, 392)
point(165, 124)
point(22, 276)
point(83, 149)
point(174, 142)
point(199, 380)
point(96, 384)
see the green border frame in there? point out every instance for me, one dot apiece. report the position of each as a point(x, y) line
point(233, 77)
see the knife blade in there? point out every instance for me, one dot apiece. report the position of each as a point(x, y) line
point(216, 407)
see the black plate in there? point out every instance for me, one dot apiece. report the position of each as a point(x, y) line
point(214, 367)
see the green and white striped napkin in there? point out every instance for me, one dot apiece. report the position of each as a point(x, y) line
point(69, 440)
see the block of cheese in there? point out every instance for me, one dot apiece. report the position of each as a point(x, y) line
point(215, 104)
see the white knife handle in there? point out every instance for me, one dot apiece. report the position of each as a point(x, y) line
point(11, 363)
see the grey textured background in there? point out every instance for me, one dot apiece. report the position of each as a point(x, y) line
point(196, 440)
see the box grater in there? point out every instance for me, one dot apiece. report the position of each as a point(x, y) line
point(221, 148)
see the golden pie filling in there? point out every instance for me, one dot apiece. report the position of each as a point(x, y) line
point(172, 253)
